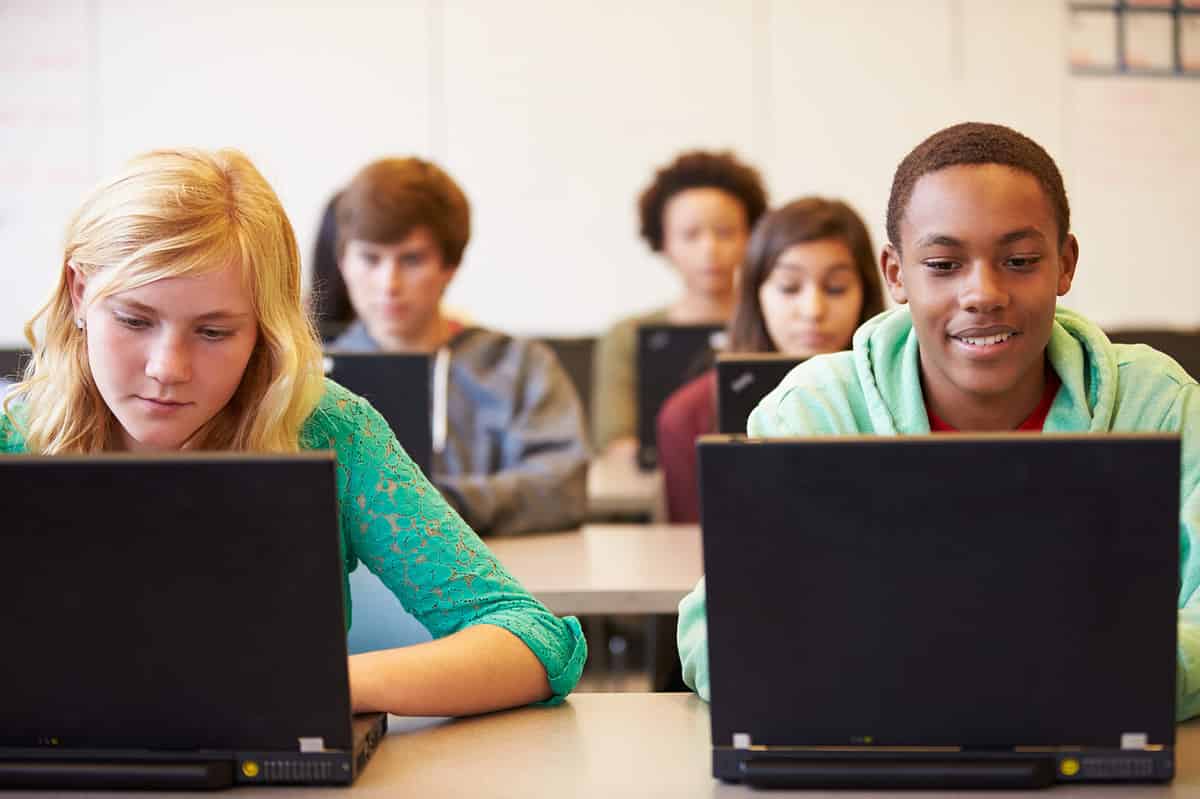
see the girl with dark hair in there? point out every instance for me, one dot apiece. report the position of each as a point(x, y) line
point(808, 282)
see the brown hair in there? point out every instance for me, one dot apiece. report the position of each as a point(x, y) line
point(977, 143)
point(807, 219)
point(390, 198)
point(700, 170)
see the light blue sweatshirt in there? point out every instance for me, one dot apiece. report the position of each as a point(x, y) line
point(876, 388)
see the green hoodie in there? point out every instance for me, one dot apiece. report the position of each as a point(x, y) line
point(876, 388)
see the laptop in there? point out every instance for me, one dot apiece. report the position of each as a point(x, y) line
point(12, 364)
point(398, 385)
point(667, 357)
point(169, 626)
point(941, 611)
point(743, 379)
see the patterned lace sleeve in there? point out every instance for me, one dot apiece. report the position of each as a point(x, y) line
point(11, 442)
point(397, 523)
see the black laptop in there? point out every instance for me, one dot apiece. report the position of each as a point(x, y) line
point(398, 385)
point(174, 622)
point(941, 611)
point(667, 357)
point(743, 379)
point(12, 364)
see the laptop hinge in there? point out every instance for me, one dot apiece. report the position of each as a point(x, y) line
point(931, 773)
point(158, 775)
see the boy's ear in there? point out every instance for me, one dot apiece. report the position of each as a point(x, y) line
point(889, 264)
point(1068, 259)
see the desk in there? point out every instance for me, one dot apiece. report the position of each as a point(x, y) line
point(599, 745)
point(606, 568)
point(606, 745)
point(617, 488)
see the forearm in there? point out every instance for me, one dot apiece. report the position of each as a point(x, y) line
point(476, 670)
point(541, 495)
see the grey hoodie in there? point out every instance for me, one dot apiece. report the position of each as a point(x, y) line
point(509, 449)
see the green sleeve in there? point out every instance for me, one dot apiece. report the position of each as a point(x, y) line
point(1185, 417)
point(692, 640)
point(614, 386)
point(11, 441)
point(397, 523)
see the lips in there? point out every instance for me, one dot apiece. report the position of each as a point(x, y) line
point(811, 339)
point(985, 336)
point(166, 403)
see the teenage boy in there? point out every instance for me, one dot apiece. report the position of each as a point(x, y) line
point(509, 439)
point(980, 249)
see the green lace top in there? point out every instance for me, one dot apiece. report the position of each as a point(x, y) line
point(396, 522)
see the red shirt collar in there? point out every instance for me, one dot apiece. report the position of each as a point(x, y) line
point(1033, 422)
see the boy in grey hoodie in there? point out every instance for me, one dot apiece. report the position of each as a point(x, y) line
point(508, 432)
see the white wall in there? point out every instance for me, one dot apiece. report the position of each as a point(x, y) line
point(554, 113)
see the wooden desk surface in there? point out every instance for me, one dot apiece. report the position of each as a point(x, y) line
point(606, 745)
point(606, 568)
point(600, 745)
point(617, 487)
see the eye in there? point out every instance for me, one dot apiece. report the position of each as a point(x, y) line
point(1023, 263)
point(370, 258)
point(214, 334)
point(836, 290)
point(131, 322)
point(413, 260)
point(941, 264)
point(789, 288)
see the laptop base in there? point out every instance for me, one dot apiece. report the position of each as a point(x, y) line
point(881, 769)
point(96, 769)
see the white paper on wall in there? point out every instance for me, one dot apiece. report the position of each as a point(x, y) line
point(1092, 37)
point(1189, 42)
point(1150, 41)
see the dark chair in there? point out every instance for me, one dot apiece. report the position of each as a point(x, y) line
point(1182, 345)
point(575, 355)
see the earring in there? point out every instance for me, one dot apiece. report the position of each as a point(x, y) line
point(79, 322)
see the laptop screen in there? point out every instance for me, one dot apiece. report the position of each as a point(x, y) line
point(185, 602)
point(12, 364)
point(743, 379)
point(398, 386)
point(942, 590)
point(667, 357)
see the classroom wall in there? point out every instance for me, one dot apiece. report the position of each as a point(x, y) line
point(553, 115)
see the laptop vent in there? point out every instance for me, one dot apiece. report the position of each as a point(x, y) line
point(1117, 768)
point(298, 771)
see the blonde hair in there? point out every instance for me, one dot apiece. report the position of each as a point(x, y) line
point(176, 213)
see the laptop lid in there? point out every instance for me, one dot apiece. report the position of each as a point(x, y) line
point(398, 385)
point(667, 357)
point(960, 591)
point(12, 364)
point(185, 603)
point(743, 379)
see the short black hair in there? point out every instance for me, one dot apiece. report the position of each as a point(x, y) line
point(700, 169)
point(977, 143)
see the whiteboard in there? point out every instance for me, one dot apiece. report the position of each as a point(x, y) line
point(553, 116)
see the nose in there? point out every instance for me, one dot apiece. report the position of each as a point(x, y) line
point(983, 290)
point(812, 303)
point(393, 279)
point(169, 360)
